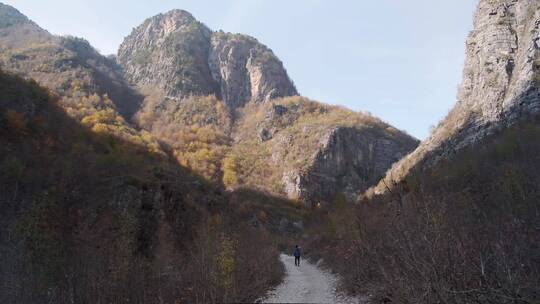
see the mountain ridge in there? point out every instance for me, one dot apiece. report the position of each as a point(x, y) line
point(183, 56)
point(179, 86)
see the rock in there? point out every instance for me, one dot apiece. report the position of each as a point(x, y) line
point(275, 112)
point(347, 162)
point(500, 83)
point(178, 55)
point(265, 134)
point(315, 152)
point(247, 70)
point(169, 52)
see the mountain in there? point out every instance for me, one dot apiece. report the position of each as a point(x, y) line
point(90, 200)
point(182, 57)
point(456, 220)
point(83, 209)
point(500, 84)
point(68, 66)
point(16, 29)
point(180, 86)
point(114, 168)
point(226, 106)
point(310, 151)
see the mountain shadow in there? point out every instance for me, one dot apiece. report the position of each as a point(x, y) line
point(90, 217)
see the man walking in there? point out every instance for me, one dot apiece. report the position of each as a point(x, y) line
point(297, 255)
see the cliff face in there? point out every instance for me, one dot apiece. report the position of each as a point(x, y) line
point(313, 152)
point(348, 162)
point(500, 83)
point(169, 52)
point(247, 70)
point(181, 56)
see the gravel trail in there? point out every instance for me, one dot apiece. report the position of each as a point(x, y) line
point(307, 284)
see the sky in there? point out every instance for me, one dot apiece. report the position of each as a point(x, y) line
point(399, 60)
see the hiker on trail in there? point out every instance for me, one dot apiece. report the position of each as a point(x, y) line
point(297, 254)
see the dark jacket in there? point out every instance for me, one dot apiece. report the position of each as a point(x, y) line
point(296, 252)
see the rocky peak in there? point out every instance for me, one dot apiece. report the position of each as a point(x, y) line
point(169, 53)
point(247, 70)
point(153, 31)
point(500, 83)
point(179, 56)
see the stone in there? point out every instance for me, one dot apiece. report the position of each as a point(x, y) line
point(275, 112)
point(176, 54)
point(500, 84)
point(348, 161)
point(265, 134)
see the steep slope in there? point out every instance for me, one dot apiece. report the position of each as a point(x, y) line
point(198, 91)
point(81, 209)
point(500, 83)
point(462, 231)
point(68, 66)
point(457, 220)
point(11, 20)
point(310, 151)
point(177, 61)
point(180, 56)
point(90, 217)
point(247, 70)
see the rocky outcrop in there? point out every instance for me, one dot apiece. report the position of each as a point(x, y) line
point(348, 161)
point(500, 83)
point(180, 56)
point(314, 152)
point(169, 52)
point(247, 70)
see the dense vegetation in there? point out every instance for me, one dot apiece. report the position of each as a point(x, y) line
point(465, 231)
point(88, 216)
point(197, 129)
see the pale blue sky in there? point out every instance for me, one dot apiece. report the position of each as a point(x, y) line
point(400, 60)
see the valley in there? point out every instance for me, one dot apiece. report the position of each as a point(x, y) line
point(185, 168)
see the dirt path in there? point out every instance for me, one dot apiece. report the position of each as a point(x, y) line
point(307, 284)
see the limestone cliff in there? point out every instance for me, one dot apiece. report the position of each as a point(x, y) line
point(180, 56)
point(500, 83)
point(313, 152)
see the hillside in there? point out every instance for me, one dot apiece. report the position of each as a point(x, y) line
point(310, 151)
point(456, 221)
point(88, 83)
point(91, 217)
point(500, 85)
point(180, 87)
point(177, 170)
point(211, 95)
